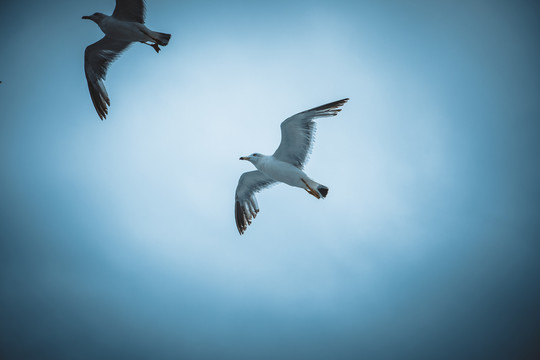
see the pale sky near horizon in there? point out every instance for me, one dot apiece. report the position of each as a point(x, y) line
point(118, 237)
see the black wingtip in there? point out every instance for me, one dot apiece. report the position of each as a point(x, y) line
point(332, 105)
point(338, 103)
point(323, 190)
point(240, 218)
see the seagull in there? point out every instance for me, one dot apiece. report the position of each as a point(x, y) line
point(285, 165)
point(126, 25)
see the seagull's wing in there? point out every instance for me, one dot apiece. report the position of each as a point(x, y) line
point(130, 10)
point(97, 58)
point(297, 133)
point(245, 207)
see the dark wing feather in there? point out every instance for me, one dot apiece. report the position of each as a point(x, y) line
point(245, 206)
point(130, 10)
point(97, 57)
point(297, 133)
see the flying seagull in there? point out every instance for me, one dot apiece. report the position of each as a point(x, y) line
point(285, 165)
point(126, 25)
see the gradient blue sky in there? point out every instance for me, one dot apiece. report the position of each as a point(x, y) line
point(118, 237)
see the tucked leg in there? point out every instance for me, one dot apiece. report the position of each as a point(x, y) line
point(155, 46)
point(310, 190)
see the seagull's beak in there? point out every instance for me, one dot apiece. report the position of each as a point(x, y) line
point(86, 17)
point(244, 158)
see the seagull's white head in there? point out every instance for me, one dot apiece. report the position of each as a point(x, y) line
point(253, 158)
point(95, 17)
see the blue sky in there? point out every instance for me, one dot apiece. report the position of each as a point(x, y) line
point(118, 237)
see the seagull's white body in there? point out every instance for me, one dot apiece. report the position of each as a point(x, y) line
point(281, 171)
point(126, 30)
point(285, 165)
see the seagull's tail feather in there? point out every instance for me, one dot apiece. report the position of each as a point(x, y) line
point(161, 38)
point(315, 189)
point(323, 190)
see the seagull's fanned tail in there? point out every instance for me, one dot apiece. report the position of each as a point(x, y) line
point(314, 188)
point(323, 190)
point(161, 38)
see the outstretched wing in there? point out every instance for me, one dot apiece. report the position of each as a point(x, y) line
point(130, 10)
point(97, 58)
point(245, 207)
point(297, 133)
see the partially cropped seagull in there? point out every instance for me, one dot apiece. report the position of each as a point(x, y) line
point(285, 165)
point(126, 25)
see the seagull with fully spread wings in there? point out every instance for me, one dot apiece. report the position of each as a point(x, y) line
point(125, 26)
point(285, 165)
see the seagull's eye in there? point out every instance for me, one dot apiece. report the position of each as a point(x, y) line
point(254, 155)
